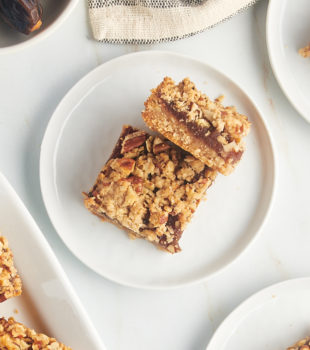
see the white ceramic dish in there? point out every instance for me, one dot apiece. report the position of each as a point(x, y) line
point(288, 29)
point(80, 138)
point(48, 303)
point(54, 14)
point(272, 319)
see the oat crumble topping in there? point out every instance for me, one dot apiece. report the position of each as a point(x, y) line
point(197, 108)
point(15, 336)
point(150, 188)
point(10, 282)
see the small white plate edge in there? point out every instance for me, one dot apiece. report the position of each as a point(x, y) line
point(232, 321)
point(287, 91)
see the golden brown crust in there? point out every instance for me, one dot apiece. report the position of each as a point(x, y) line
point(303, 344)
point(10, 282)
point(150, 188)
point(206, 129)
point(15, 336)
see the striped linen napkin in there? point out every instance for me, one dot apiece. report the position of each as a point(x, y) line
point(153, 21)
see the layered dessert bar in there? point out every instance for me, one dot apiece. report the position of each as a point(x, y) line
point(205, 128)
point(303, 344)
point(10, 282)
point(150, 188)
point(15, 336)
point(305, 51)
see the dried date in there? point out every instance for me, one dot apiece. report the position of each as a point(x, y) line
point(23, 15)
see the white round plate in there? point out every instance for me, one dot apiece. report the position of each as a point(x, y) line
point(79, 140)
point(272, 319)
point(288, 29)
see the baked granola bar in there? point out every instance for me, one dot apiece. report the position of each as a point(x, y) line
point(303, 344)
point(15, 336)
point(206, 129)
point(150, 188)
point(305, 51)
point(10, 282)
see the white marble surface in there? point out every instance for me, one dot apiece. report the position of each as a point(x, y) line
point(32, 83)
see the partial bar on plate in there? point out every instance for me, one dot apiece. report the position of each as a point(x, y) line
point(10, 282)
point(149, 188)
point(305, 51)
point(205, 128)
point(16, 336)
point(303, 344)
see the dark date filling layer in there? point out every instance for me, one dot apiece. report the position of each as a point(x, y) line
point(162, 240)
point(200, 132)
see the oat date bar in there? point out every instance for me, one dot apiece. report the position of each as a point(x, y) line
point(303, 344)
point(10, 282)
point(15, 336)
point(205, 128)
point(149, 188)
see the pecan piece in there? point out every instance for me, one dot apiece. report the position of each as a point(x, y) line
point(127, 164)
point(137, 183)
point(159, 145)
point(133, 141)
point(160, 148)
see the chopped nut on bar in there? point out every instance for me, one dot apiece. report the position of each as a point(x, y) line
point(205, 128)
point(10, 282)
point(150, 188)
point(303, 344)
point(15, 336)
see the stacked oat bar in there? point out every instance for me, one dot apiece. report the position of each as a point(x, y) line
point(205, 128)
point(151, 185)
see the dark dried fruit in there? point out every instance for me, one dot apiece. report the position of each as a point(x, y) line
point(23, 15)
